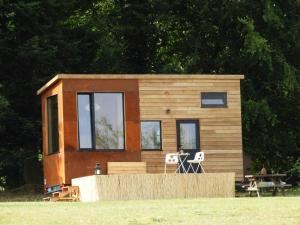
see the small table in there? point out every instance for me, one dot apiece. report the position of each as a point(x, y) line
point(256, 183)
point(181, 159)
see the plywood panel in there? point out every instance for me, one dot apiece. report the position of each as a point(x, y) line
point(220, 128)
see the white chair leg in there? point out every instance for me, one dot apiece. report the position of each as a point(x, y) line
point(165, 168)
point(188, 168)
point(193, 169)
point(197, 168)
point(202, 168)
point(177, 169)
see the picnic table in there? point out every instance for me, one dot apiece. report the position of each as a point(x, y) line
point(258, 183)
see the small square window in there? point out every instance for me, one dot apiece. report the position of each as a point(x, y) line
point(151, 135)
point(213, 99)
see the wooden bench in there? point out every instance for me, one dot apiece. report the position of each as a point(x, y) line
point(126, 167)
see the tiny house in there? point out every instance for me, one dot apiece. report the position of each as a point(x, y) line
point(89, 119)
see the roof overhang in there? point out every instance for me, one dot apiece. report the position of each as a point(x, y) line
point(139, 76)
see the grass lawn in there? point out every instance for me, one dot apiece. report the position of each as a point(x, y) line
point(268, 210)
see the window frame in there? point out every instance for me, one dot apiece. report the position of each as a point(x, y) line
point(47, 126)
point(225, 105)
point(160, 128)
point(92, 115)
point(197, 133)
point(91, 118)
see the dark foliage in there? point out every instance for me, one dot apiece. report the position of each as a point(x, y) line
point(257, 38)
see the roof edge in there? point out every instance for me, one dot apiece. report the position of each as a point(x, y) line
point(139, 76)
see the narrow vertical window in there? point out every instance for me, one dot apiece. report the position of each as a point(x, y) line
point(151, 135)
point(52, 125)
point(84, 121)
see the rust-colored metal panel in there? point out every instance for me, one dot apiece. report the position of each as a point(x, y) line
point(82, 163)
point(79, 164)
point(53, 164)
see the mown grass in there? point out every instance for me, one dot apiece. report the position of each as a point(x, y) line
point(269, 210)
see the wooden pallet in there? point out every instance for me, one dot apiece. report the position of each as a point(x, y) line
point(67, 194)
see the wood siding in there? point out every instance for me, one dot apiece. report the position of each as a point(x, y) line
point(220, 128)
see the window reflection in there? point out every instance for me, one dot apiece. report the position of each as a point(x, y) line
point(109, 129)
point(84, 121)
point(213, 99)
point(188, 136)
point(52, 124)
point(100, 121)
point(151, 135)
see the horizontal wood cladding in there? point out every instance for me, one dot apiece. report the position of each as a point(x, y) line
point(126, 167)
point(220, 128)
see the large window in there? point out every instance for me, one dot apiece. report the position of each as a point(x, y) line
point(213, 99)
point(151, 135)
point(52, 125)
point(101, 121)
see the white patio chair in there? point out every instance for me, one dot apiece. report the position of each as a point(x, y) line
point(171, 159)
point(199, 158)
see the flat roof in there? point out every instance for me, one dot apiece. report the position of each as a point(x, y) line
point(139, 76)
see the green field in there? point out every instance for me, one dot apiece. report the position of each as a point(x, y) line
point(268, 210)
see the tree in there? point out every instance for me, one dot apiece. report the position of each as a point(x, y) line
point(257, 38)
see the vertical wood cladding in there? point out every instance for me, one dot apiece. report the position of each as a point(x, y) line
point(220, 128)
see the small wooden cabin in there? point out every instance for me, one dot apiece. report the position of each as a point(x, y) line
point(139, 118)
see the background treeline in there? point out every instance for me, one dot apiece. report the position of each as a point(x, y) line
point(258, 38)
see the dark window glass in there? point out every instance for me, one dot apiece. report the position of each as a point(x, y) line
point(109, 124)
point(151, 135)
point(84, 121)
point(213, 99)
point(52, 125)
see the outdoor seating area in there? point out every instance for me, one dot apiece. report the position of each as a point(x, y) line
point(180, 160)
point(266, 182)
